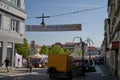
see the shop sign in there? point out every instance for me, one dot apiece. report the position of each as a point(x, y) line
point(67, 27)
point(115, 45)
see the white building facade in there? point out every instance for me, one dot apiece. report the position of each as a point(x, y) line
point(12, 16)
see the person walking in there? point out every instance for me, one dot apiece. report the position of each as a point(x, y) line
point(6, 61)
point(30, 65)
point(27, 64)
point(18, 62)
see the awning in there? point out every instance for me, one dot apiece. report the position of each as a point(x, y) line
point(37, 56)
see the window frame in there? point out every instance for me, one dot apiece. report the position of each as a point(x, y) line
point(0, 20)
point(16, 2)
point(15, 25)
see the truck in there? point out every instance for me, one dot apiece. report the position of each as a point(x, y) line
point(59, 65)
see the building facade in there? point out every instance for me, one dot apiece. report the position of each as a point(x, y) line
point(70, 46)
point(12, 16)
point(111, 43)
point(106, 43)
point(93, 52)
point(76, 48)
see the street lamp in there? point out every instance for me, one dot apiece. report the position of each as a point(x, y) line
point(43, 23)
point(83, 66)
point(89, 41)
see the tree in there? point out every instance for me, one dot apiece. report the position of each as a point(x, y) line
point(22, 49)
point(44, 50)
point(80, 53)
point(55, 49)
point(67, 51)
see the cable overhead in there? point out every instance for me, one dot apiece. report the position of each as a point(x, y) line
point(75, 12)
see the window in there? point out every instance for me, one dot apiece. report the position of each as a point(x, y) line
point(0, 20)
point(16, 2)
point(14, 25)
point(1, 51)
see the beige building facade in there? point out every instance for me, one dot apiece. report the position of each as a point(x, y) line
point(111, 43)
point(12, 16)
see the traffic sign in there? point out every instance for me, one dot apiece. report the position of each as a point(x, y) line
point(66, 27)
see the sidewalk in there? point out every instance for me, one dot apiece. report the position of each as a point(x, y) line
point(102, 73)
point(3, 73)
point(23, 74)
point(16, 72)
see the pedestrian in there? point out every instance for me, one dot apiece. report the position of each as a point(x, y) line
point(6, 61)
point(18, 62)
point(27, 63)
point(30, 65)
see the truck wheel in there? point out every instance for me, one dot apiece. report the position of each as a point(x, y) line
point(70, 75)
point(52, 73)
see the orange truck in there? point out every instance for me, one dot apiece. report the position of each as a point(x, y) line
point(59, 65)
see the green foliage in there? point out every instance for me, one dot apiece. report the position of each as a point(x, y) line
point(44, 50)
point(67, 51)
point(80, 53)
point(22, 49)
point(55, 49)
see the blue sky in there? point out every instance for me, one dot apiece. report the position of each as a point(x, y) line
point(92, 21)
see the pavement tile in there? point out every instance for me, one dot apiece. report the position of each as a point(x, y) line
point(102, 73)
